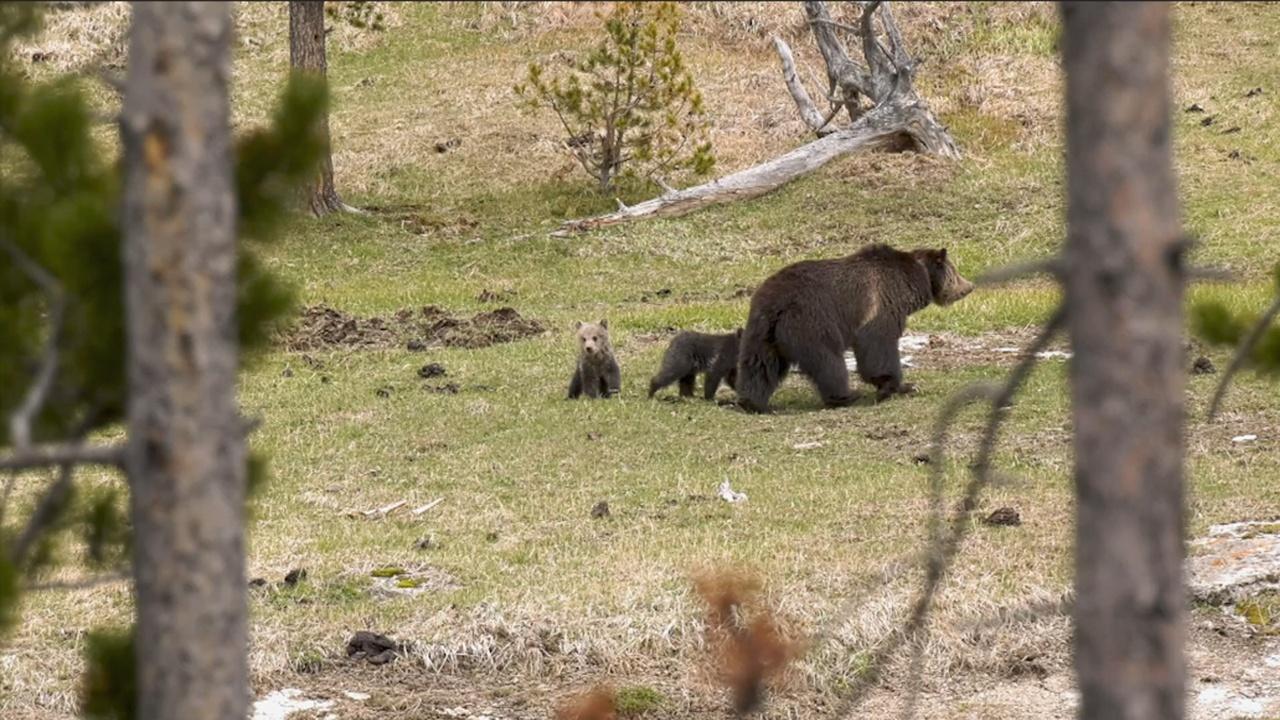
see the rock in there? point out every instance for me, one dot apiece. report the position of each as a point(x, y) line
point(295, 576)
point(258, 582)
point(1203, 366)
point(601, 510)
point(1207, 121)
point(415, 345)
point(1003, 516)
point(593, 435)
point(287, 372)
point(383, 392)
point(445, 389)
point(427, 543)
point(922, 458)
point(1254, 92)
point(377, 649)
point(1234, 561)
point(1194, 108)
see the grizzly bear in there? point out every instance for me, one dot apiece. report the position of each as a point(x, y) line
point(597, 373)
point(691, 353)
point(810, 312)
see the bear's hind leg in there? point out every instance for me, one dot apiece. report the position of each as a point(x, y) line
point(828, 372)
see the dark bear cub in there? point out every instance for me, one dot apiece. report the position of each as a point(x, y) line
point(810, 312)
point(690, 353)
point(597, 374)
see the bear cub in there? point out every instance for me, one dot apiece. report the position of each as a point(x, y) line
point(810, 312)
point(690, 353)
point(597, 374)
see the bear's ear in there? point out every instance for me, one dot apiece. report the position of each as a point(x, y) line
point(604, 324)
point(942, 254)
point(577, 325)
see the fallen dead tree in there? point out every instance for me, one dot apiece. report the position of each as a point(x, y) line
point(896, 117)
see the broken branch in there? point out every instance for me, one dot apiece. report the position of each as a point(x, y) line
point(808, 111)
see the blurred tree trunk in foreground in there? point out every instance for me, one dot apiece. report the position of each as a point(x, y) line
point(186, 458)
point(1124, 295)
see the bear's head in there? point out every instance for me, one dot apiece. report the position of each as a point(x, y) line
point(945, 282)
point(593, 338)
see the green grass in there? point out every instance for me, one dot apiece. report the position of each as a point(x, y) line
point(519, 467)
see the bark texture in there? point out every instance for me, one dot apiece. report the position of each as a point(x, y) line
point(897, 117)
point(306, 54)
point(1124, 294)
point(186, 455)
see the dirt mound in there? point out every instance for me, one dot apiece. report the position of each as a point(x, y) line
point(322, 326)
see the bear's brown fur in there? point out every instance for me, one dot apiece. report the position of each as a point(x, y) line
point(810, 312)
point(691, 353)
point(597, 373)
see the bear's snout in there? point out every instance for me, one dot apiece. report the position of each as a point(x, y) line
point(956, 289)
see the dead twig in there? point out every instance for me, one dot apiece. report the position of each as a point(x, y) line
point(1242, 355)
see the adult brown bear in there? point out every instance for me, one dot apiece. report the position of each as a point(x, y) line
point(810, 312)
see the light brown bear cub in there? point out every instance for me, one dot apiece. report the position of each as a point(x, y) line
point(597, 374)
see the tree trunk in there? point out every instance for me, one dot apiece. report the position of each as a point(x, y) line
point(1124, 296)
point(186, 456)
point(306, 54)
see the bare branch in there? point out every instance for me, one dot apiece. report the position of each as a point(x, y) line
point(857, 31)
point(1051, 266)
point(9, 482)
point(841, 70)
point(81, 584)
point(1242, 354)
point(20, 420)
point(1026, 613)
point(808, 112)
point(901, 58)
point(40, 456)
point(1211, 274)
point(943, 549)
point(47, 510)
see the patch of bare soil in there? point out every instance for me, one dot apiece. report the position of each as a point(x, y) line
point(321, 327)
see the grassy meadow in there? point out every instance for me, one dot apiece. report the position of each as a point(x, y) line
point(522, 595)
